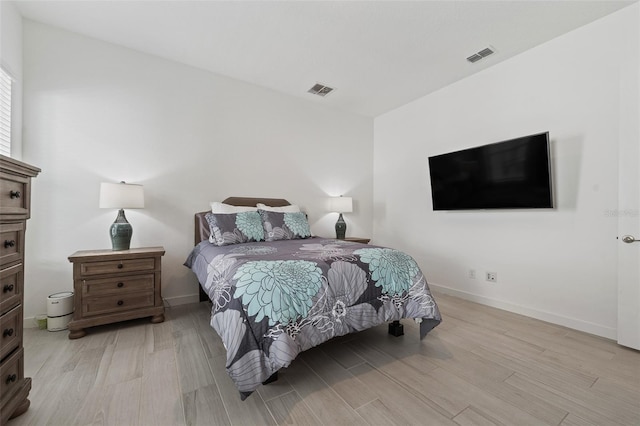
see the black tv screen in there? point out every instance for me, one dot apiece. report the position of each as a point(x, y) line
point(514, 174)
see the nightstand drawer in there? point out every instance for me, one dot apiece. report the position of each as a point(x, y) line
point(10, 331)
point(115, 286)
point(11, 373)
point(117, 303)
point(11, 280)
point(11, 242)
point(117, 266)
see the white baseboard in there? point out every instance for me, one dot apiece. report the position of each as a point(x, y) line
point(576, 324)
point(573, 323)
point(181, 300)
point(30, 322)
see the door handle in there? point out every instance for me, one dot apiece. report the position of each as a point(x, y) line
point(629, 239)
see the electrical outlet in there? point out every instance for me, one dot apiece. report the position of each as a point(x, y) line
point(472, 274)
point(492, 277)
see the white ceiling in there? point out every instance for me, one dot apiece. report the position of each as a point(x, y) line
point(377, 54)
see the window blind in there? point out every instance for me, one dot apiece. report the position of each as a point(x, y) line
point(5, 113)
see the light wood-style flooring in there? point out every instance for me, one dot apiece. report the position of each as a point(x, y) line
point(481, 366)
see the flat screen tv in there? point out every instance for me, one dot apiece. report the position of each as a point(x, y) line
point(513, 174)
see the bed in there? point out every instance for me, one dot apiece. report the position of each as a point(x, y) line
point(273, 299)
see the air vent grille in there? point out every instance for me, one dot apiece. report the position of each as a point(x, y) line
point(320, 89)
point(474, 58)
point(481, 54)
point(485, 52)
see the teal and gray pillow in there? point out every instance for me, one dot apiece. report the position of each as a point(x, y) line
point(284, 226)
point(234, 228)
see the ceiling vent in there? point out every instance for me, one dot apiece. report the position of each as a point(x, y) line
point(320, 90)
point(481, 54)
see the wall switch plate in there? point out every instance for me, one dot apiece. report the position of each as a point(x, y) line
point(492, 277)
point(472, 274)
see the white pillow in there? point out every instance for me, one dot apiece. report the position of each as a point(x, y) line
point(217, 208)
point(286, 209)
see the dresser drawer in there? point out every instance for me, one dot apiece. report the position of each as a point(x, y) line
point(14, 195)
point(11, 373)
point(118, 285)
point(115, 266)
point(10, 331)
point(116, 303)
point(11, 242)
point(11, 280)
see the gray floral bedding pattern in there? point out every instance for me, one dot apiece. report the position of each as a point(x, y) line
point(273, 300)
point(234, 228)
point(284, 226)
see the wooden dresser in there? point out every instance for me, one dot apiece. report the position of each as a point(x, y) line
point(111, 286)
point(15, 209)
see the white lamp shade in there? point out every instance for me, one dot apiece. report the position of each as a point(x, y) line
point(121, 196)
point(341, 204)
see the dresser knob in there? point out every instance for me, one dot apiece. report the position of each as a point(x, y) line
point(7, 288)
point(9, 243)
point(11, 378)
point(14, 194)
point(120, 266)
point(7, 332)
point(120, 303)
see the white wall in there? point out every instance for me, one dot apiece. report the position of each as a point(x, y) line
point(98, 112)
point(558, 265)
point(11, 61)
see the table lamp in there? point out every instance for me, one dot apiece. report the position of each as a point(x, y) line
point(341, 205)
point(121, 196)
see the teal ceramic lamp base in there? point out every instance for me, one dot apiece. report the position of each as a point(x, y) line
point(121, 232)
point(341, 228)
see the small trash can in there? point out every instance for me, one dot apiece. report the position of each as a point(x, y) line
point(41, 321)
point(59, 310)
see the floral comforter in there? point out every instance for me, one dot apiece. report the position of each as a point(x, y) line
point(273, 300)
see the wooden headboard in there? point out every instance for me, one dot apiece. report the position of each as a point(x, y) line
point(202, 227)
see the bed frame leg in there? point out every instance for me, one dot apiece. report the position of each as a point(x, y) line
point(396, 329)
point(271, 378)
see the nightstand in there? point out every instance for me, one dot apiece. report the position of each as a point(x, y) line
point(112, 286)
point(358, 240)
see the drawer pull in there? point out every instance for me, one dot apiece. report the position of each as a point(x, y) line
point(9, 243)
point(8, 332)
point(120, 303)
point(7, 288)
point(11, 378)
point(14, 194)
point(120, 285)
point(120, 266)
